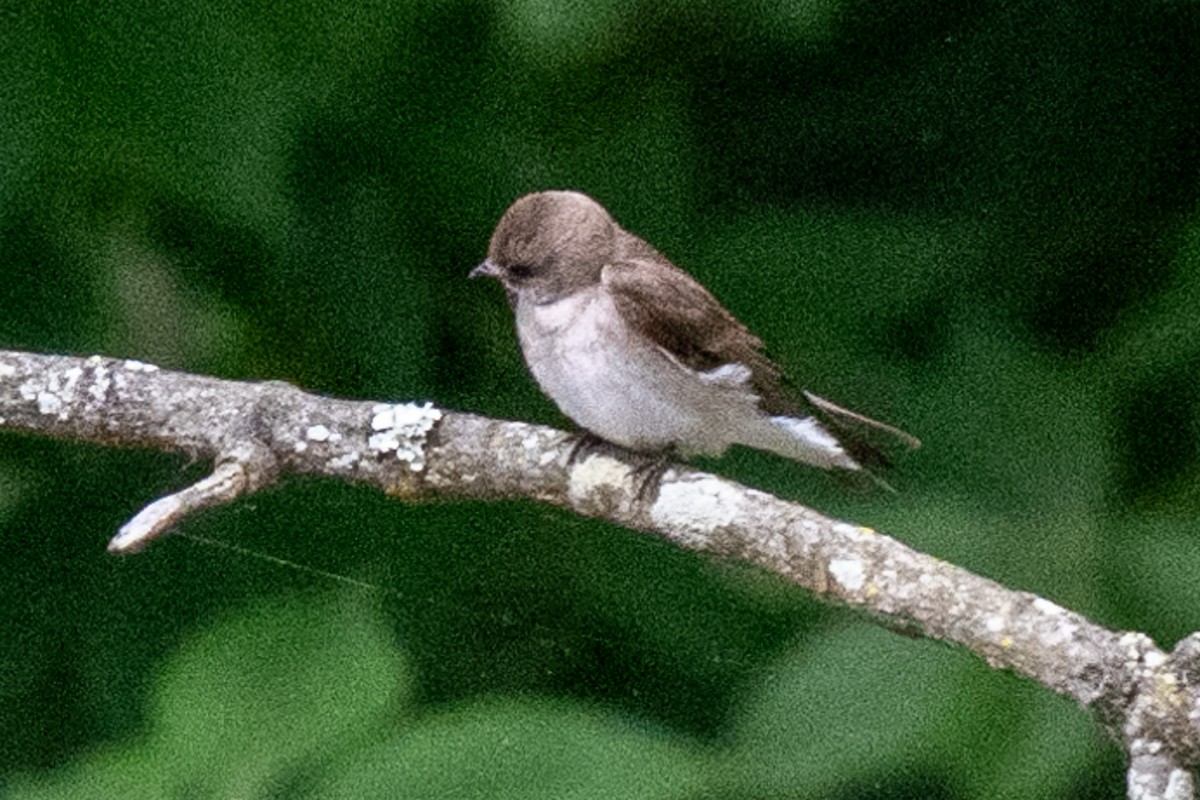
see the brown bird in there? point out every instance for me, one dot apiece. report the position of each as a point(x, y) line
point(638, 353)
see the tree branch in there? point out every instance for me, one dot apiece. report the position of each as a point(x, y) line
point(255, 433)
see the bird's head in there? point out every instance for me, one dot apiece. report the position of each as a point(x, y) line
point(550, 244)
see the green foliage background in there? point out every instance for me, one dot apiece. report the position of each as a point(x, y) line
point(975, 220)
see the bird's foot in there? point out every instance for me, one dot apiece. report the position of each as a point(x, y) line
point(648, 475)
point(582, 444)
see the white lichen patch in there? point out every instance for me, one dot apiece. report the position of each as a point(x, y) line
point(344, 462)
point(317, 433)
point(49, 403)
point(1154, 659)
point(1046, 607)
point(846, 529)
point(402, 429)
point(848, 572)
point(705, 503)
point(7, 370)
point(594, 473)
point(101, 381)
point(70, 383)
point(133, 365)
point(54, 393)
point(1135, 644)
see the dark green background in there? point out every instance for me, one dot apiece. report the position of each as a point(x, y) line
point(975, 220)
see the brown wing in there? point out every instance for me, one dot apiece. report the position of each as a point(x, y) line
point(668, 307)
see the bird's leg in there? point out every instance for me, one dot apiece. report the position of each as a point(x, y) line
point(583, 443)
point(648, 475)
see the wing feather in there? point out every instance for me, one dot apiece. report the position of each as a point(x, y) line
point(672, 310)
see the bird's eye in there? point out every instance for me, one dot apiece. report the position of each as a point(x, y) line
point(520, 271)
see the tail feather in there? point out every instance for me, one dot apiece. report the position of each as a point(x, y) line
point(805, 439)
point(866, 440)
point(828, 436)
point(845, 418)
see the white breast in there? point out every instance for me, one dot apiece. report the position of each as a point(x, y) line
point(621, 387)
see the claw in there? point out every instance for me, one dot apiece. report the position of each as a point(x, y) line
point(585, 442)
point(649, 474)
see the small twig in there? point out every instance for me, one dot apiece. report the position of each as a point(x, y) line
point(240, 473)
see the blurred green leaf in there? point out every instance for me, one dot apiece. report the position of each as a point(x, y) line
point(251, 703)
point(521, 749)
point(860, 696)
point(1153, 561)
point(866, 703)
point(1026, 743)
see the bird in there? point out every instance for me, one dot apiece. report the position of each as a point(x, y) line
point(637, 353)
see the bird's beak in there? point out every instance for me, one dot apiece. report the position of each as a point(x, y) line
point(487, 269)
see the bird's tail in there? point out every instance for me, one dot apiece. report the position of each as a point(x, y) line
point(828, 436)
point(867, 441)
